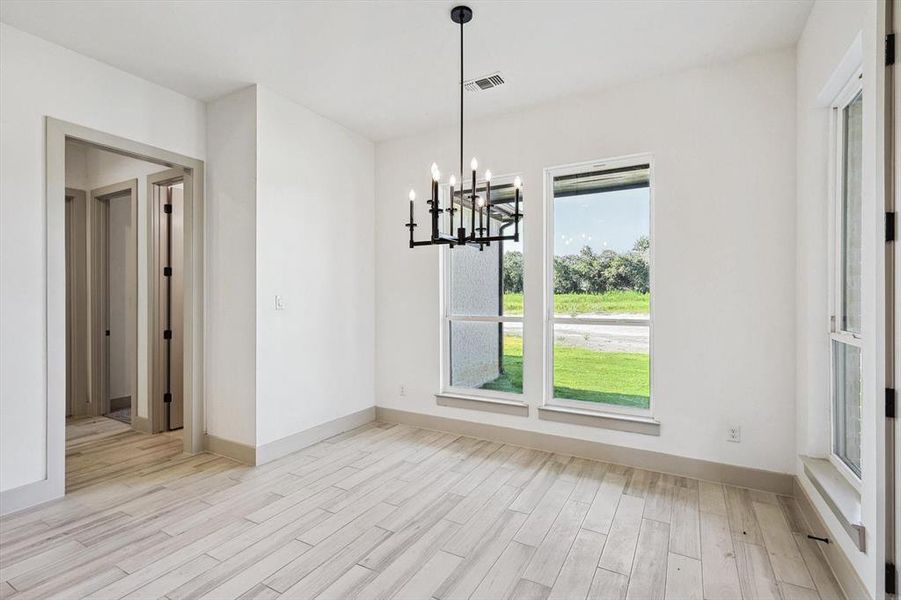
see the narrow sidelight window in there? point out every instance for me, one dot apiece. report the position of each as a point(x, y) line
point(845, 331)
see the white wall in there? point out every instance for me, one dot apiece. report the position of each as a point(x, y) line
point(290, 212)
point(39, 79)
point(723, 141)
point(315, 237)
point(824, 46)
point(231, 278)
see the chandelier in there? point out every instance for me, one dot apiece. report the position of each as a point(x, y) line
point(477, 199)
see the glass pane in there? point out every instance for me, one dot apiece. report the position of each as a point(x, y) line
point(602, 363)
point(852, 119)
point(488, 282)
point(846, 394)
point(602, 243)
point(486, 356)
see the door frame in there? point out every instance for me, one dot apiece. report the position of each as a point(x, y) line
point(890, 19)
point(56, 133)
point(77, 369)
point(99, 296)
point(155, 183)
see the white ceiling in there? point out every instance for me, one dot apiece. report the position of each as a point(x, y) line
point(387, 69)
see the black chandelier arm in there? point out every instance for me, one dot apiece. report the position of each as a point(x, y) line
point(480, 236)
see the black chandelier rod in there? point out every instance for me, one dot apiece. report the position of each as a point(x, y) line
point(461, 112)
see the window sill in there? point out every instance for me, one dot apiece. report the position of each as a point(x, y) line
point(840, 496)
point(594, 418)
point(495, 405)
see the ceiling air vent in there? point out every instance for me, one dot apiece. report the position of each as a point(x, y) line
point(483, 83)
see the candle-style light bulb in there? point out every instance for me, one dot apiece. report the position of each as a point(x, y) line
point(436, 175)
point(474, 164)
point(412, 195)
point(480, 201)
point(488, 175)
point(453, 181)
point(517, 183)
point(434, 168)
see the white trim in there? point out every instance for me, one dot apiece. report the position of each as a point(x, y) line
point(599, 407)
point(849, 65)
point(507, 406)
point(550, 319)
point(488, 395)
point(840, 466)
point(842, 498)
point(750, 477)
point(599, 418)
point(302, 439)
point(814, 510)
point(638, 322)
point(28, 496)
point(484, 319)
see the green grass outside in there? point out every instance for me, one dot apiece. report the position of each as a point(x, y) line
point(579, 374)
point(620, 301)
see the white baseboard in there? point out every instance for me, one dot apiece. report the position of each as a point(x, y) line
point(243, 453)
point(28, 496)
point(276, 449)
point(771, 481)
point(300, 440)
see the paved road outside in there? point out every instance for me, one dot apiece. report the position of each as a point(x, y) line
point(600, 338)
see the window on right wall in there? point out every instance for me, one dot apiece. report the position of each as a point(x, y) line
point(845, 293)
point(598, 249)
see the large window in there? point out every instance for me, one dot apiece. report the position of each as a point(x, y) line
point(845, 330)
point(599, 285)
point(483, 305)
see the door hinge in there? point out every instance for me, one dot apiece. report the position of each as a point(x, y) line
point(167, 334)
point(890, 578)
point(890, 403)
point(167, 271)
point(890, 49)
point(889, 226)
point(167, 208)
point(167, 397)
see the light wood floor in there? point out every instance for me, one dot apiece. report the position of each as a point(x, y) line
point(390, 511)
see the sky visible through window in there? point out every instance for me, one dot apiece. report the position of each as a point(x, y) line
point(605, 221)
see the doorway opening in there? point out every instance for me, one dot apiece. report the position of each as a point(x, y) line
point(127, 283)
point(58, 335)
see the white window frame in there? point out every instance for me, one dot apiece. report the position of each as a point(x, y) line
point(848, 93)
point(550, 319)
point(446, 317)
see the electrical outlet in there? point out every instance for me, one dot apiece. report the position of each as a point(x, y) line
point(733, 434)
point(279, 303)
point(403, 390)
